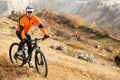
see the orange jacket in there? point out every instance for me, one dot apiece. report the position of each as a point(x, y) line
point(27, 24)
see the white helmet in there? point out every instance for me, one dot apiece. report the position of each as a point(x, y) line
point(29, 8)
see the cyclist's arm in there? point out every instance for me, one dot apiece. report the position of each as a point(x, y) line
point(40, 26)
point(42, 29)
point(22, 31)
point(21, 25)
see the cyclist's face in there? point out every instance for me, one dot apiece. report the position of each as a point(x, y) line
point(29, 14)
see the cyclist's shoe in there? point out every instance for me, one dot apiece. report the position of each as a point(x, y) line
point(30, 64)
point(19, 54)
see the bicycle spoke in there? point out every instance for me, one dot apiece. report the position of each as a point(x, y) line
point(41, 64)
point(20, 58)
point(15, 59)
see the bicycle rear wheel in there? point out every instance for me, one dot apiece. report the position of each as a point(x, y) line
point(12, 54)
point(41, 64)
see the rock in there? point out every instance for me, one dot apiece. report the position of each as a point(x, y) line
point(59, 48)
point(53, 47)
point(86, 57)
point(110, 49)
point(98, 46)
point(70, 44)
point(56, 47)
point(13, 27)
point(74, 38)
point(57, 38)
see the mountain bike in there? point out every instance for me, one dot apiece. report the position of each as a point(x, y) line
point(39, 58)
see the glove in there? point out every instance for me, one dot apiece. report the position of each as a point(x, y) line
point(46, 36)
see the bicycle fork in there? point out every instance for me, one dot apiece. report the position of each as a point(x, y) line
point(38, 52)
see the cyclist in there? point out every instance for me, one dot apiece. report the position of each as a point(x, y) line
point(25, 24)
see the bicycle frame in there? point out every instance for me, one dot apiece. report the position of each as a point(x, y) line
point(34, 46)
point(40, 60)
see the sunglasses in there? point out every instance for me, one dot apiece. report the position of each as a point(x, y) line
point(29, 11)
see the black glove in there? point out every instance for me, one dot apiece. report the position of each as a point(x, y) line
point(46, 36)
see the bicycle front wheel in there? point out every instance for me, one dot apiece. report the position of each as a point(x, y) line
point(12, 54)
point(41, 64)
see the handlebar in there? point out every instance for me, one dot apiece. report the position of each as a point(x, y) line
point(36, 39)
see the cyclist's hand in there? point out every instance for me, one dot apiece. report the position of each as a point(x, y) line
point(45, 37)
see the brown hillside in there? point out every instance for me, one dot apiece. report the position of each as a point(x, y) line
point(62, 63)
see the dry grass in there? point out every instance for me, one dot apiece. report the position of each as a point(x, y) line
point(61, 66)
point(10, 72)
point(76, 22)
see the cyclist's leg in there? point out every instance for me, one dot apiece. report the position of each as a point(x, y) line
point(29, 44)
point(22, 42)
point(29, 50)
point(18, 33)
point(21, 45)
point(28, 36)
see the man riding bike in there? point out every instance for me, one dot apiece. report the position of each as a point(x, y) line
point(26, 22)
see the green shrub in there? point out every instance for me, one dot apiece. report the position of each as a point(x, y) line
point(117, 60)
